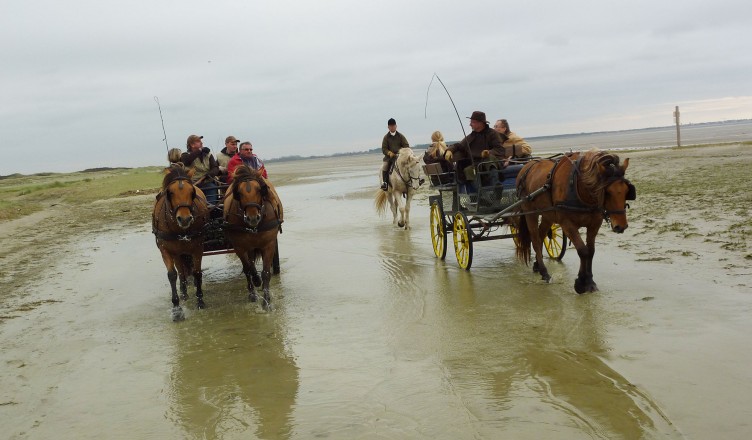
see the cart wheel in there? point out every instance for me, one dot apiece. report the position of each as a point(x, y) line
point(463, 241)
point(438, 231)
point(513, 231)
point(555, 242)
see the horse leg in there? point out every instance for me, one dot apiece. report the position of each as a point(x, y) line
point(537, 240)
point(399, 205)
point(266, 274)
point(249, 269)
point(406, 210)
point(172, 276)
point(393, 205)
point(581, 283)
point(590, 283)
point(183, 270)
point(197, 280)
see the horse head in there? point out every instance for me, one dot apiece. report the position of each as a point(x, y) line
point(250, 190)
point(617, 190)
point(409, 167)
point(180, 195)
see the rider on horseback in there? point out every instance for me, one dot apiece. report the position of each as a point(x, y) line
point(390, 146)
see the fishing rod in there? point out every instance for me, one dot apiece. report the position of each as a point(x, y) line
point(162, 119)
point(425, 115)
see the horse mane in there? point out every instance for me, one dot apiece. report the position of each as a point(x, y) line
point(591, 176)
point(244, 173)
point(174, 172)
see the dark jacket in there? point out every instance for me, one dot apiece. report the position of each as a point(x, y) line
point(474, 144)
point(202, 161)
point(393, 144)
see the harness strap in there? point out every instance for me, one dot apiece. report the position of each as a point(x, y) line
point(173, 236)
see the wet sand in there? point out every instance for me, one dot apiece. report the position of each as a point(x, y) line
point(373, 337)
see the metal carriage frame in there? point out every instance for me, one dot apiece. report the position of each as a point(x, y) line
point(477, 212)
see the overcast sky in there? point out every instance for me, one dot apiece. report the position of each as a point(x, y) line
point(78, 78)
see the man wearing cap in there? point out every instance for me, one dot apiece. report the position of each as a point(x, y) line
point(247, 158)
point(224, 156)
point(481, 143)
point(390, 146)
point(200, 159)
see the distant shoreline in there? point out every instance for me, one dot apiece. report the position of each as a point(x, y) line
point(665, 138)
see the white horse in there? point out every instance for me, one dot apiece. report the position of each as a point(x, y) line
point(404, 179)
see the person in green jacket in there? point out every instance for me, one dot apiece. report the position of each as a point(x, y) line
point(390, 146)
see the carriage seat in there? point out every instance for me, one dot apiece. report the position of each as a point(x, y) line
point(436, 175)
point(508, 175)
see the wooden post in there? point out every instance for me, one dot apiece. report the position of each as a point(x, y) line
point(678, 133)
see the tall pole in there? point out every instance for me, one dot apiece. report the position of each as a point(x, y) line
point(678, 133)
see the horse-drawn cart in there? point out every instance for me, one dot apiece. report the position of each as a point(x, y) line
point(482, 206)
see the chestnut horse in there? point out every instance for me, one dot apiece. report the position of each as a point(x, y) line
point(583, 190)
point(405, 179)
point(253, 215)
point(178, 220)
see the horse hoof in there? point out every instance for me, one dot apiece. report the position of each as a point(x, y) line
point(252, 297)
point(579, 287)
point(200, 304)
point(177, 314)
point(266, 304)
point(547, 278)
point(256, 280)
point(401, 224)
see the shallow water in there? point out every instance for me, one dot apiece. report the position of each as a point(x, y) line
point(373, 337)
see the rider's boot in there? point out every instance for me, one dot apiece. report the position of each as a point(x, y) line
point(384, 180)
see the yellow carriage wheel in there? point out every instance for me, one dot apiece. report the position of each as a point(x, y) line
point(463, 242)
point(438, 231)
point(513, 231)
point(555, 242)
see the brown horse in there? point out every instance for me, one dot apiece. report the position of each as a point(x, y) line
point(178, 220)
point(583, 190)
point(253, 215)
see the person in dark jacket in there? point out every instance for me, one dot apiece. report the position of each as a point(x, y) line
point(483, 142)
point(205, 168)
point(390, 146)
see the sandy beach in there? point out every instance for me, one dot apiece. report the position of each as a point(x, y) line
point(372, 336)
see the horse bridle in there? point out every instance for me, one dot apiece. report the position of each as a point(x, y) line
point(191, 207)
point(408, 182)
point(617, 175)
point(242, 208)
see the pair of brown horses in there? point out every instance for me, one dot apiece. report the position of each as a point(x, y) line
point(252, 213)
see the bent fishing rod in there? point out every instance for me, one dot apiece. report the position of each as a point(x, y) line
point(162, 119)
point(425, 114)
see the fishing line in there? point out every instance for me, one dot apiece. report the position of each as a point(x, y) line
point(425, 115)
point(162, 119)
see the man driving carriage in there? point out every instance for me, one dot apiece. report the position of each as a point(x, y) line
point(390, 146)
point(483, 143)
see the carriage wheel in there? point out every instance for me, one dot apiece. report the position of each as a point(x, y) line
point(555, 242)
point(513, 231)
point(438, 231)
point(463, 242)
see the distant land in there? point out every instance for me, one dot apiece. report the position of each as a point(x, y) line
point(539, 142)
point(533, 139)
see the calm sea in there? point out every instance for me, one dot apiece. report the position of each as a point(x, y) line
point(658, 137)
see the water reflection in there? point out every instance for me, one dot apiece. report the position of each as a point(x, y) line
point(518, 357)
point(233, 376)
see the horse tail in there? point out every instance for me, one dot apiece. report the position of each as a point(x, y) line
point(380, 201)
point(523, 241)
